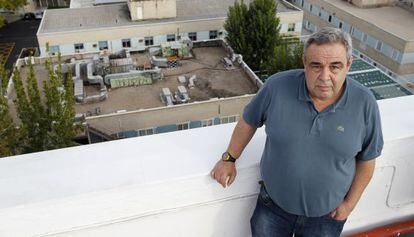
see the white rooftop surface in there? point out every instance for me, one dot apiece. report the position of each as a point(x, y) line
point(160, 186)
point(393, 19)
point(83, 16)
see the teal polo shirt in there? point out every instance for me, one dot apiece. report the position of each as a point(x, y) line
point(308, 162)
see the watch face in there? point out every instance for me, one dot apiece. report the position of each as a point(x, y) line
point(225, 156)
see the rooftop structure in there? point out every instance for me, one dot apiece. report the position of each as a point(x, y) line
point(382, 35)
point(157, 185)
point(107, 27)
point(172, 87)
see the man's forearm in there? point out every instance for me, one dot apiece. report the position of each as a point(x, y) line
point(363, 175)
point(241, 136)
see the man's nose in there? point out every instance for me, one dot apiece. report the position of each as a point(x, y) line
point(325, 74)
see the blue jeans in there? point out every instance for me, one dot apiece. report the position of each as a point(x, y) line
point(270, 220)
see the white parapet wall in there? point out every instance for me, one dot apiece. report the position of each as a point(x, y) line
point(160, 185)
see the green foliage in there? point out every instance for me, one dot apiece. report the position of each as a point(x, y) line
point(254, 32)
point(45, 123)
point(236, 26)
point(60, 104)
point(8, 132)
point(12, 4)
point(288, 55)
point(4, 77)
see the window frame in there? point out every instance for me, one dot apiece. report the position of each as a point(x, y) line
point(100, 45)
point(183, 126)
point(213, 34)
point(290, 29)
point(171, 37)
point(149, 40)
point(192, 36)
point(79, 47)
point(126, 43)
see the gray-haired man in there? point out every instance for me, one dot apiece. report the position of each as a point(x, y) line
point(323, 135)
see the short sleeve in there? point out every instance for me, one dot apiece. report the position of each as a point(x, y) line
point(373, 141)
point(255, 113)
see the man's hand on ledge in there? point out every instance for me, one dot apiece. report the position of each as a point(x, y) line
point(224, 172)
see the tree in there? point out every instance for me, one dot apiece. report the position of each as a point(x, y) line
point(60, 107)
point(236, 26)
point(49, 123)
point(254, 32)
point(263, 25)
point(8, 132)
point(31, 112)
point(10, 5)
point(288, 55)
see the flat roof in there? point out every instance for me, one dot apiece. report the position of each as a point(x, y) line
point(115, 15)
point(393, 19)
point(213, 81)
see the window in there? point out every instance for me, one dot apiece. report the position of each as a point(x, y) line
point(340, 25)
point(310, 8)
point(54, 49)
point(230, 119)
point(149, 41)
point(206, 123)
point(182, 126)
point(329, 18)
point(170, 38)
point(291, 27)
point(146, 131)
point(103, 45)
point(394, 54)
point(78, 47)
point(126, 43)
point(213, 34)
point(364, 37)
point(192, 36)
point(379, 46)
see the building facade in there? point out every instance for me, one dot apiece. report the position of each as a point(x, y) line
point(125, 26)
point(383, 36)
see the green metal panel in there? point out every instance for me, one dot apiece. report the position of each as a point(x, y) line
point(166, 128)
point(195, 124)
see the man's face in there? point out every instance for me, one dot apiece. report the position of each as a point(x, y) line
point(326, 67)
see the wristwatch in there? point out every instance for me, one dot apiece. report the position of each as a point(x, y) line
point(228, 157)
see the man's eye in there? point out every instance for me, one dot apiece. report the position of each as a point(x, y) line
point(335, 68)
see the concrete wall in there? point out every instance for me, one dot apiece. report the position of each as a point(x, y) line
point(152, 9)
point(166, 116)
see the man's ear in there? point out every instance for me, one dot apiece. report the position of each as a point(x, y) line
point(304, 60)
point(349, 63)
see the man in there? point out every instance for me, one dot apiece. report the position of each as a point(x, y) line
point(323, 135)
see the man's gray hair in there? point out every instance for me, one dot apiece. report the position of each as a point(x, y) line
point(329, 35)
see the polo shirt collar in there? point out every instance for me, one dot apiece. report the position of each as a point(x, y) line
point(303, 95)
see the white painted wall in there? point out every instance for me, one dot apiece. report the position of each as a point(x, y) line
point(160, 186)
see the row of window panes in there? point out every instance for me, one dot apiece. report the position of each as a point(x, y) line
point(378, 45)
point(185, 126)
point(126, 43)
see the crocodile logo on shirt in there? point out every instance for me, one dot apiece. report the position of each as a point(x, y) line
point(340, 128)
